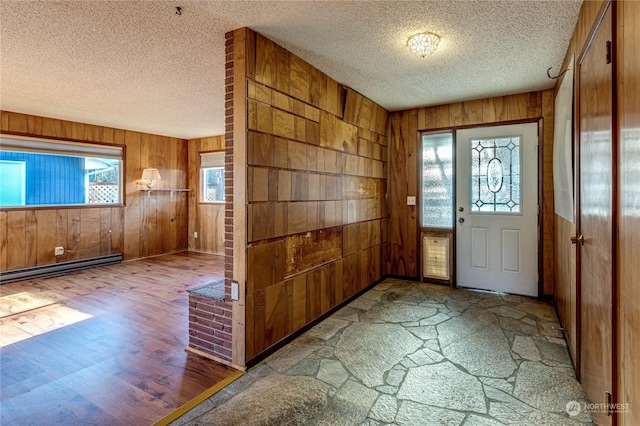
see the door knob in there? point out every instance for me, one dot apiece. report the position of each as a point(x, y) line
point(461, 220)
point(578, 239)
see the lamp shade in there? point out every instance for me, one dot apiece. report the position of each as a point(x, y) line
point(150, 174)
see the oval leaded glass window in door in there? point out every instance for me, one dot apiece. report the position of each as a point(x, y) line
point(495, 175)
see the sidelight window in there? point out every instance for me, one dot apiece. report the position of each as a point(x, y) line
point(437, 180)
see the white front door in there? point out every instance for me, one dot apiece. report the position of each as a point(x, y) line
point(497, 208)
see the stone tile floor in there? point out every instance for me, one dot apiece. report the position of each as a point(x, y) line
point(409, 353)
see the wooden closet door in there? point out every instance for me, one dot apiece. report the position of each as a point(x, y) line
point(596, 218)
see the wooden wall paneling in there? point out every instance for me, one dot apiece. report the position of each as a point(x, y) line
point(308, 251)
point(455, 114)
point(366, 273)
point(132, 213)
point(90, 239)
point(517, 106)
point(260, 320)
point(501, 105)
point(288, 308)
point(16, 123)
point(443, 117)
point(315, 86)
point(299, 300)
point(31, 238)
point(565, 280)
point(628, 315)
point(74, 234)
point(350, 275)
point(365, 114)
point(299, 87)
point(4, 121)
point(3, 240)
point(264, 119)
point(534, 104)
point(339, 283)
point(352, 105)
point(182, 208)
point(193, 177)
point(545, 102)
point(176, 199)
point(117, 230)
point(488, 110)
point(77, 130)
point(333, 97)
point(328, 289)
point(266, 61)
point(275, 311)
point(322, 94)
point(397, 177)
point(283, 78)
point(162, 227)
point(46, 237)
point(105, 231)
point(250, 320)
point(147, 215)
point(16, 244)
point(472, 112)
point(314, 294)
point(299, 150)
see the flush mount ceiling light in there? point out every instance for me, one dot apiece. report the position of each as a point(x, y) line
point(423, 44)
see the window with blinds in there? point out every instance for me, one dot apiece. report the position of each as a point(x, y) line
point(40, 172)
point(212, 177)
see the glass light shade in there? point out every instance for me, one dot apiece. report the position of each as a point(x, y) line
point(149, 176)
point(423, 44)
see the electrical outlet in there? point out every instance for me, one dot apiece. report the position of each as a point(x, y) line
point(59, 251)
point(235, 290)
point(195, 235)
point(411, 201)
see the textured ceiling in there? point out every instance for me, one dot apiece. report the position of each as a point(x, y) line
point(137, 65)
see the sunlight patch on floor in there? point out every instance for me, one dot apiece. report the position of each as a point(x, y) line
point(24, 315)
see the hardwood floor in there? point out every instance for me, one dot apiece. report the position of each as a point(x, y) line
point(104, 346)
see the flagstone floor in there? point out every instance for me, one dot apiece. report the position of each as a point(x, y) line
point(409, 353)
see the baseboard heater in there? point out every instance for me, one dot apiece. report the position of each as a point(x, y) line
point(58, 268)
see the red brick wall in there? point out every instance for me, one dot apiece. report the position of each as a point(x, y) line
point(228, 167)
point(210, 326)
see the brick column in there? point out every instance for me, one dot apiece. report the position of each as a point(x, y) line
point(210, 320)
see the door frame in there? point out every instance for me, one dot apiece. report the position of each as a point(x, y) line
point(606, 5)
point(540, 189)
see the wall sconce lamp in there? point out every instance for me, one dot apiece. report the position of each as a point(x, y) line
point(149, 177)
